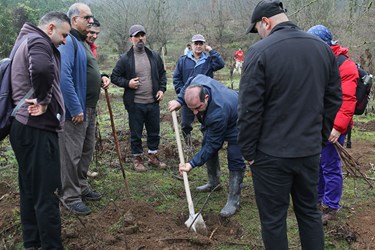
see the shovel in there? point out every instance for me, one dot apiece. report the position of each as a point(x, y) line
point(195, 221)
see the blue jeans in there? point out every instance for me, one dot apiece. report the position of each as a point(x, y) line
point(147, 115)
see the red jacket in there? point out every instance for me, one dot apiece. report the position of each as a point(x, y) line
point(349, 76)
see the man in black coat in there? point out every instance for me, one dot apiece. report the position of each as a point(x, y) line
point(289, 95)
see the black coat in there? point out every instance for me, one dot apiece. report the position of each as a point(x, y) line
point(124, 71)
point(289, 94)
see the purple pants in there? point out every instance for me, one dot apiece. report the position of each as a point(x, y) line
point(330, 176)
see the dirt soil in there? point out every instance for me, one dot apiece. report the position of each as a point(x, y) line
point(127, 224)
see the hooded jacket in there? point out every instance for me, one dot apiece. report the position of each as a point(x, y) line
point(218, 121)
point(37, 64)
point(349, 77)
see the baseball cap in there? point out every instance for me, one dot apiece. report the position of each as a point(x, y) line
point(265, 8)
point(198, 38)
point(135, 29)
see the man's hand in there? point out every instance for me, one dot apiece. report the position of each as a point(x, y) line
point(105, 82)
point(134, 83)
point(160, 95)
point(208, 48)
point(173, 105)
point(34, 108)
point(184, 168)
point(77, 119)
point(334, 136)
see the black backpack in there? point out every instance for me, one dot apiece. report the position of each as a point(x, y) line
point(7, 108)
point(364, 85)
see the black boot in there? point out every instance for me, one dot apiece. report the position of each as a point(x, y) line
point(233, 203)
point(213, 172)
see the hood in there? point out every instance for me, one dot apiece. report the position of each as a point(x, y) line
point(339, 50)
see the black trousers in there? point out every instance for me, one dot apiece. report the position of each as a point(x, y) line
point(275, 180)
point(37, 154)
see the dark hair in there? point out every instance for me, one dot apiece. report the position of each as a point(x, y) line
point(59, 17)
point(202, 91)
point(96, 23)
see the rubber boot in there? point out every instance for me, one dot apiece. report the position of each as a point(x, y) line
point(233, 203)
point(213, 172)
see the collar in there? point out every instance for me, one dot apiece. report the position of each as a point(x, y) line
point(78, 35)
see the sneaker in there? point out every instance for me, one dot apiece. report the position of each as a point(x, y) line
point(92, 174)
point(154, 161)
point(328, 214)
point(79, 208)
point(92, 195)
point(138, 164)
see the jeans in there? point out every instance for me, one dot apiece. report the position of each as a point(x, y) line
point(275, 180)
point(141, 115)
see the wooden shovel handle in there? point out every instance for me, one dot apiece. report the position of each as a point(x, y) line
point(182, 160)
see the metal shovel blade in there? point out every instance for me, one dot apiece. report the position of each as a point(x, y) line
point(196, 223)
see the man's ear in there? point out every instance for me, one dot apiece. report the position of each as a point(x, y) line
point(50, 28)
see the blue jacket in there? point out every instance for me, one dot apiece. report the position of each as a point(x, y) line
point(187, 67)
point(218, 121)
point(73, 74)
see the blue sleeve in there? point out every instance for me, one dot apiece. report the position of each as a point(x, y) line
point(70, 95)
point(217, 60)
point(178, 82)
point(213, 139)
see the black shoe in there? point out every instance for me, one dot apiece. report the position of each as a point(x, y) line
point(92, 196)
point(79, 208)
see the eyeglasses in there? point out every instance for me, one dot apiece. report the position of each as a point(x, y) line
point(198, 43)
point(88, 17)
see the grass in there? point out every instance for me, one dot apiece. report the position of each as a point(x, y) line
point(162, 190)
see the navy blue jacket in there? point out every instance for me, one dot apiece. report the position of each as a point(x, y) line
point(187, 67)
point(218, 121)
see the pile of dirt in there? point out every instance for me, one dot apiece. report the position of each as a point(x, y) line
point(128, 224)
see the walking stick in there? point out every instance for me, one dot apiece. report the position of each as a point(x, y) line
point(116, 142)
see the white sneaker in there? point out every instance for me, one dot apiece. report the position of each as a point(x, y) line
point(92, 174)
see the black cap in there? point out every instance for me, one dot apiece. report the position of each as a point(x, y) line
point(265, 8)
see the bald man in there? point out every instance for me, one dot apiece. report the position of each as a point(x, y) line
point(215, 106)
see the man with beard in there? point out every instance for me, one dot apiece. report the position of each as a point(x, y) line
point(34, 131)
point(141, 73)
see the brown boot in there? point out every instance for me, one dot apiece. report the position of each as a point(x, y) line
point(138, 164)
point(154, 161)
point(328, 214)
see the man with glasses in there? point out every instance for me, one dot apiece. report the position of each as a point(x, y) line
point(289, 95)
point(80, 84)
point(190, 65)
point(141, 73)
